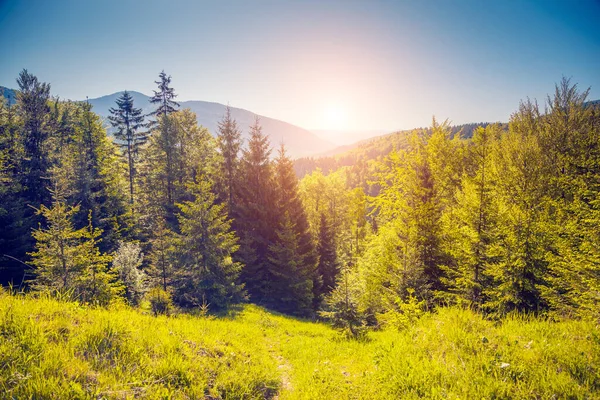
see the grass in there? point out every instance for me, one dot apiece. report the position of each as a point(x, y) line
point(58, 350)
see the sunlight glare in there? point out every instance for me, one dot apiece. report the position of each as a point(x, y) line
point(335, 117)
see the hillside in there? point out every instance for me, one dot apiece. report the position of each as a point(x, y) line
point(51, 349)
point(300, 142)
point(367, 150)
point(8, 94)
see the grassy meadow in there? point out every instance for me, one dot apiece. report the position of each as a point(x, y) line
point(61, 350)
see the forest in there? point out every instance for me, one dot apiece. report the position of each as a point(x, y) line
point(500, 222)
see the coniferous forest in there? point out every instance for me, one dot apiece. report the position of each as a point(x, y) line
point(498, 225)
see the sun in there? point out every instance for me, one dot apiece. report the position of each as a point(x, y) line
point(335, 116)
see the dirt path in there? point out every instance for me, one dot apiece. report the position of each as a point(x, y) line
point(284, 367)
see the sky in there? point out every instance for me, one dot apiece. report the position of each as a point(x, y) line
point(343, 65)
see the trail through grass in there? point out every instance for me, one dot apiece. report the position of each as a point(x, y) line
point(57, 350)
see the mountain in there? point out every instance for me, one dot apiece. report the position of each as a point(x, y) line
point(298, 141)
point(8, 94)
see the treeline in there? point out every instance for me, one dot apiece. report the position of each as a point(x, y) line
point(163, 210)
point(365, 153)
point(504, 220)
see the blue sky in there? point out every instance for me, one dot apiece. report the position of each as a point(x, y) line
point(318, 64)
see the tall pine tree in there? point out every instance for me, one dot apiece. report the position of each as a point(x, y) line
point(228, 142)
point(255, 215)
point(293, 255)
point(128, 120)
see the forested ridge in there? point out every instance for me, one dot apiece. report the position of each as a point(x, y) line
point(504, 219)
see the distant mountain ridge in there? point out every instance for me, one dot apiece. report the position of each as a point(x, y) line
point(299, 142)
point(8, 94)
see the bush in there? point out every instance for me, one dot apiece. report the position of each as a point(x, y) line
point(127, 261)
point(405, 313)
point(160, 301)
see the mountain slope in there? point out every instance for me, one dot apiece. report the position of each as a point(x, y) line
point(299, 142)
point(367, 150)
point(8, 94)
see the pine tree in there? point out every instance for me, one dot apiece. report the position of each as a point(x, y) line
point(255, 217)
point(570, 137)
point(164, 97)
point(165, 140)
point(469, 224)
point(293, 255)
point(90, 172)
point(67, 259)
point(162, 256)
point(228, 142)
point(178, 153)
point(206, 270)
point(128, 120)
point(14, 237)
point(410, 203)
point(521, 237)
point(343, 306)
point(292, 288)
point(328, 267)
point(27, 147)
point(32, 101)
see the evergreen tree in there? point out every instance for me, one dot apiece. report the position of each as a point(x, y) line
point(32, 101)
point(255, 216)
point(68, 259)
point(522, 235)
point(162, 256)
point(292, 289)
point(90, 173)
point(228, 142)
point(14, 235)
point(128, 120)
point(164, 97)
point(27, 149)
point(328, 266)
point(343, 306)
point(178, 153)
point(570, 137)
point(293, 255)
point(469, 224)
point(206, 271)
point(165, 138)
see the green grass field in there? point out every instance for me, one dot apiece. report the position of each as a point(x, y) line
point(58, 350)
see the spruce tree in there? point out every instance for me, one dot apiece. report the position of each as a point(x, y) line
point(27, 147)
point(165, 147)
point(228, 142)
point(469, 224)
point(32, 101)
point(67, 260)
point(162, 256)
point(522, 236)
point(164, 97)
point(292, 286)
point(293, 255)
point(256, 218)
point(128, 120)
point(328, 267)
point(206, 271)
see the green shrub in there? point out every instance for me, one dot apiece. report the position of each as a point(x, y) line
point(160, 301)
